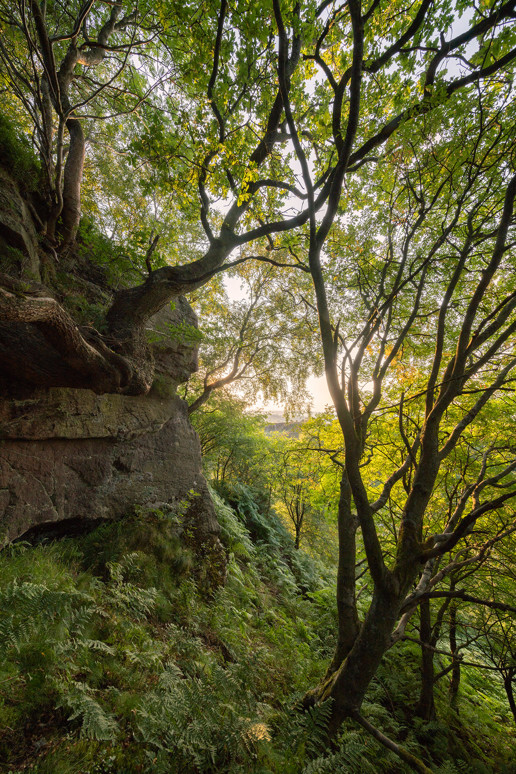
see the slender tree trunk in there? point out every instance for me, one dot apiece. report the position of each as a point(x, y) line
point(46, 139)
point(299, 517)
point(455, 677)
point(72, 179)
point(507, 681)
point(348, 623)
point(225, 466)
point(426, 706)
point(56, 185)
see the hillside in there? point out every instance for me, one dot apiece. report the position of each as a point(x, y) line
point(114, 661)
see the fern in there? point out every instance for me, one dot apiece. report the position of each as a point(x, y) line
point(131, 599)
point(350, 759)
point(200, 723)
point(96, 723)
point(233, 533)
point(316, 723)
point(27, 609)
point(449, 768)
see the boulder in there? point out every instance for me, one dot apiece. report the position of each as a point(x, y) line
point(69, 455)
point(173, 335)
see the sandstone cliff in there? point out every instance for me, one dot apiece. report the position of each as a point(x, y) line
point(69, 455)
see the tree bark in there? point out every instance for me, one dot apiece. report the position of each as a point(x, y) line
point(507, 682)
point(41, 329)
point(72, 180)
point(348, 623)
point(455, 678)
point(297, 538)
point(135, 305)
point(348, 685)
point(426, 705)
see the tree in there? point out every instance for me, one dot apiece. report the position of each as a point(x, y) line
point(237, 146)
point(257, 344)
point(51, 54)
point(446, 239)
point(233, 443)
point(297, 477)
point(499, 647)
point(471, 588)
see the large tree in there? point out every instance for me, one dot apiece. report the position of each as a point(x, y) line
point(231, 116)
point(433, 344)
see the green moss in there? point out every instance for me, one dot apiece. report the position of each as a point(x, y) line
point(12, 257)
point(163, 387)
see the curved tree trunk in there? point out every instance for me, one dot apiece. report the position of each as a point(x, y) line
point(72, 179)
point(90, 364)
point(507, 682)
point(60, 353)
point(348, 685)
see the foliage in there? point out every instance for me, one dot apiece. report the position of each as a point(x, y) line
point(233, 443)
point(110, 652)
point(254, 347)
point(16, 155)
point(121, 262)
point(378, 162)
point(89, 626)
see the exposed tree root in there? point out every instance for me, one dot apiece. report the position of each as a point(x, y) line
point(88, 360)
point(405, 755)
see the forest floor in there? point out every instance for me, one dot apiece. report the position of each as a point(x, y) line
point(113, 661)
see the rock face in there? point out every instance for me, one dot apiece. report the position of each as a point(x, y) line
point(18, 238)
point(172, 333)
point(69, 454)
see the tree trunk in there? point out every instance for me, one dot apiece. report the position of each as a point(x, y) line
point(426, 706)
point(348, 623)
point(133, 306)
point(455, 678)
point(348, 685)
point(46, 139)
point(298, 517)
point(72, 179)
point(507, 681)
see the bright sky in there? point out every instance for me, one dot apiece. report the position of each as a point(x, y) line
point(319, 390)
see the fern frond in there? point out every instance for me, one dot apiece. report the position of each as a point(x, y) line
point(96, 723)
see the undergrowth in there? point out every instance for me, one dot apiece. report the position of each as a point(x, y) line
point(112, 661)
point(17, 156)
